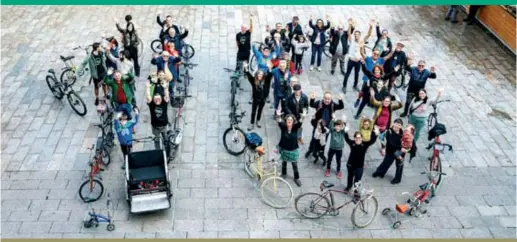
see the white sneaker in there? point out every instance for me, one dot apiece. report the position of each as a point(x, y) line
point(319, 68)
point(258, 125)
point(311, 68)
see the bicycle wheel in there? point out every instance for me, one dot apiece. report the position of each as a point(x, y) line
point(76, 103)
point(236, 140)
point(316, 206)
point(435, 166)
point(399, 81)
point(188, 51)
point(69, 76)
point(105, 156)
point(253, 63)
point(249, 159)
point(91, 191)
point(326, 49)
point(362, 207)
point(431, 121)
point(276, 192)
point(156, 46)
point(56, 91)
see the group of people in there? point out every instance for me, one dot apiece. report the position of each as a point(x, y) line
point(116, 71)
point(279, 60)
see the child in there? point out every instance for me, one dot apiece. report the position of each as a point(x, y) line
point(300, 45)
point(123, 128)
point(319, 140)
point(337, 143)
point(365, 128)
point(406, 142)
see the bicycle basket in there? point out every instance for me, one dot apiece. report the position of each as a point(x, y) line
point(437, 130)
point(253, 140)
point(177, 102)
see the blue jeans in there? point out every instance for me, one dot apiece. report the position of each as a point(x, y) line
point(316, 50)
point(126, 108)
point(452, 12)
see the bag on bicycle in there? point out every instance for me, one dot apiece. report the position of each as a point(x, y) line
point(437, 130)
point(253, 140)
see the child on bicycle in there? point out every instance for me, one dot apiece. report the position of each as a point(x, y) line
point(337, 143)
point(123, 127)
point(319, 140)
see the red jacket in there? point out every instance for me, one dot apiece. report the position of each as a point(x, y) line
point(290, 65)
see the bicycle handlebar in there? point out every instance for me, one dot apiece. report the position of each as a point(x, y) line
point(188, 65)
point(428, 172)
point(434, 143)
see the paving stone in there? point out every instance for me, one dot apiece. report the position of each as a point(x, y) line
point(480, 233)
point(54, 215)
point(25, 216)
point(37, 227)
point(491, 211)
point(232, 235)
point(500, 233)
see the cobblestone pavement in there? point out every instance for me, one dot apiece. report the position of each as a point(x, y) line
point(44, 143)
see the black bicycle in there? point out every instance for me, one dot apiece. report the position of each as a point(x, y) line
point(71, 71)
point(175, 135)
point(433, 117)
point(187, 51)
point(186, 76)
point(235, 84)
point(60, 89)
point(400, 81)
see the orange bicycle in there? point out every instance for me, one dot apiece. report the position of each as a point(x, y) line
point(92, 189)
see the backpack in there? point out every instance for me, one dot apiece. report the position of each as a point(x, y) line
point(437, 130)
point(253, 140)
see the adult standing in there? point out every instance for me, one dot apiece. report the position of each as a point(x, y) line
point(297, 104)
point(281, 83)
point(354, 53)
point(383, 43)
point(393, 144)
point(294, 29)
point(243, 40)
point(160, 121)
point(452, 13)
point(383, 115)
point(358, 147)
point(418, 79)
point(338, 48)
point(471, 18)
point(131, 41)
point(260, 84)
point(318, 39)
point(396, 64)
point(97, 63)
point(419, 110)
point(288, 144)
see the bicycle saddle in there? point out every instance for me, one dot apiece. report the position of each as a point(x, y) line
point(66, 58)
point(327, 184)
point(51, 71)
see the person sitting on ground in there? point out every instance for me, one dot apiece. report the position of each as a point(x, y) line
point(123, 125)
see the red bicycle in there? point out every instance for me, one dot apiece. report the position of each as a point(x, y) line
point(435, 164)
point(92, 189)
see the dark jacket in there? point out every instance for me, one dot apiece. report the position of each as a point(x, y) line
point(260, 93)
point(289, 141)
point(291, 106)
point(334, 40)
point(284, 38)
point(321, 108)
point(281, 87)
point(177, 39)
point(418, 79)
point(318, 30)
point(162, 23)
point(393, 141)
point(398, 58)
point(158, 61)
point(129, 38)
point(389, 44)
point(294, 31)
point(358, 152)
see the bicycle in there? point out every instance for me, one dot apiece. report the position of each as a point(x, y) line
point(94, 180)
point(60, 89)
point(175, 135)
point(432, 119)
point(235, 84)
point(414, 204)
point(187, 51)
point(320, 205)
point(186, 77)
point(400, 81)
point(235, 133)
point(268, 180)
point(104, 111)
point(93, 219)
point(72, 72)
point(435, 164)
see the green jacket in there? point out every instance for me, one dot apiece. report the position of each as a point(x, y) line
point(337, 139)
point(91, 64)
point(127, 80)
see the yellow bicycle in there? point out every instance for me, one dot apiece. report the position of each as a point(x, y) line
point(275, 191)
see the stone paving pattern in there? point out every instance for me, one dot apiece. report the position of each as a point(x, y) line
point(44, 142)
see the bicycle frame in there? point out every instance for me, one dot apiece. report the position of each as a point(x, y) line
point(259, 169)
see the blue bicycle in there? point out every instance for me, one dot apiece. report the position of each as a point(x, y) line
point(94, 219)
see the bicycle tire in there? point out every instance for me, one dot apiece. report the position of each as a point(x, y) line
point(399, 81)
point(188, 51)
point(248, 160)
point(253, 63)
point(276, 180)
point(326, 49)
point(86, 183)
point(431, 121)
point(69, 79)
point(319, 196)
point(105, 158)
point(72, 104)
point(361, 202)
point(231, 152)
point(156, 46)
point(173, 153)
point(52, 83)
point(436, 166)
